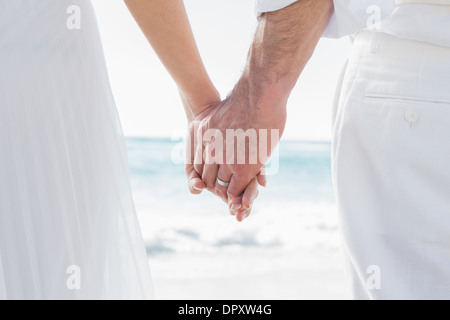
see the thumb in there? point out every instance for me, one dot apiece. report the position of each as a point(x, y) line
point(195, 183)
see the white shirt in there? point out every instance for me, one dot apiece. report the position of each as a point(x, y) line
point(422, 20)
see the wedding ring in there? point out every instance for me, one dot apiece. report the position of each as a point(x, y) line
point(222, 183)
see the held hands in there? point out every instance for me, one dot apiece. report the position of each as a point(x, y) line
point(283, 43)
point(228, 144)
point(202, 170)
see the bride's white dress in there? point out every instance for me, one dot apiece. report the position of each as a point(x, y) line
point(68, 227)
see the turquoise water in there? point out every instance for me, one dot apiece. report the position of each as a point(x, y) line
point(304, 170)
point(295, 213)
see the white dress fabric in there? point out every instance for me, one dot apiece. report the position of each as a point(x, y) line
point(68, 227)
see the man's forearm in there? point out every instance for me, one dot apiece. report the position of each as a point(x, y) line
point(284, 42)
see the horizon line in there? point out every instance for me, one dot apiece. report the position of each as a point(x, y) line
point(145, 137)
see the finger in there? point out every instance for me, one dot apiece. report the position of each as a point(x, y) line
point(238, 184)
point(209, 176)
point(199, 159)
point(262, 180)
point(235, 205)
point(224, 174)
point(195, 183)
point(250, 195)
point(242, 215)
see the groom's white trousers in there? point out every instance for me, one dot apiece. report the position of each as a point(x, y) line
point(391, 168)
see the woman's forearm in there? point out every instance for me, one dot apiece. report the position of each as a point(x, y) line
point(166, 26)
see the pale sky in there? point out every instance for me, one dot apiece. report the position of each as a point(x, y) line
point(147, 98)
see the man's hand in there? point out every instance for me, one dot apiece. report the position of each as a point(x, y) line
point(247, 137)
point(283, 44)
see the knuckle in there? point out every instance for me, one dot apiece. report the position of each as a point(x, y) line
point(198, 168)
point(233, 193)
point(220, 192)
point(210, 188)
point(240, 172)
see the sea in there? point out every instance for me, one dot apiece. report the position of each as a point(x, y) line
point(291, 240)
